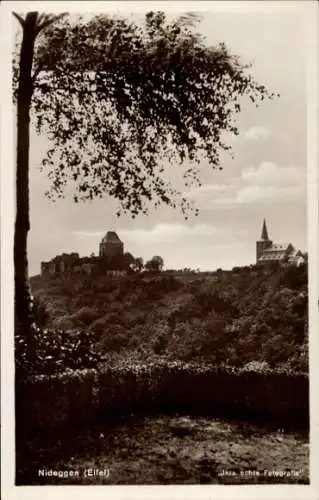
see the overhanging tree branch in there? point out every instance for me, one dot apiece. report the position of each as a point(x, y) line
point(48, 21)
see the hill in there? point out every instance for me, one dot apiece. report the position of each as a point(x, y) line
point(227, 318)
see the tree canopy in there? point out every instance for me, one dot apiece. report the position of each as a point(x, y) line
point(121, 100)
point(156, 264)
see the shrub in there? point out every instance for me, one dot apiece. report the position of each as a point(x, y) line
point(257, 366)
point(48, 402)
point(64, 323)
point(84, 317)
point(55, 351)
point(114, 338)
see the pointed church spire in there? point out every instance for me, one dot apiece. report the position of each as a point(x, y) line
point(264, 232)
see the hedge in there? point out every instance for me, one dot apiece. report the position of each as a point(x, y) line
point(45, 403)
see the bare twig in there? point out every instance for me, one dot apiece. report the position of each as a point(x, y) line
point(19, 18)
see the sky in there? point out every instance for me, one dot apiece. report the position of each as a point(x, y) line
point(266, 178)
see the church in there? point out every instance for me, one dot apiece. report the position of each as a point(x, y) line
point(283, 253)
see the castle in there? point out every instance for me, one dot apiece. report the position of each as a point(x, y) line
point(283, 253)
point(111, 259)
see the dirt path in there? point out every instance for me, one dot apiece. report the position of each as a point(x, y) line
point(168, 450)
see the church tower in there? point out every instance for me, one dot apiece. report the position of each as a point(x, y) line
point(263, 243)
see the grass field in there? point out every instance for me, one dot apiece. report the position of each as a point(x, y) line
point(167, 450)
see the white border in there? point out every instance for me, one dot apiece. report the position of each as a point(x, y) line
point(313, 238)
point(308, 8)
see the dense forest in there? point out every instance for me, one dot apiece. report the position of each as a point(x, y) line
point(247, 317)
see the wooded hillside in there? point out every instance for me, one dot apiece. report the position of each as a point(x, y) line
point(226, 318)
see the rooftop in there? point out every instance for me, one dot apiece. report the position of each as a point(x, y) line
point(276, 247)
point(111, 237)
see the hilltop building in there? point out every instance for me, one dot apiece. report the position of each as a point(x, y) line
point(111, 246)
point(269, 252)
point(60, 263)
point(111, 259)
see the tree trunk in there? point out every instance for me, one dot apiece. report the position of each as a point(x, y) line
point(22, 223)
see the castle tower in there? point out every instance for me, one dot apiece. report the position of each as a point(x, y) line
point(263, 243)
point(111, 246)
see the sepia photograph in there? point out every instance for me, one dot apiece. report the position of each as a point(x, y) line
point(162, 190)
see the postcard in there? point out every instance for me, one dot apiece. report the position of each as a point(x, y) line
point(159, 249)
